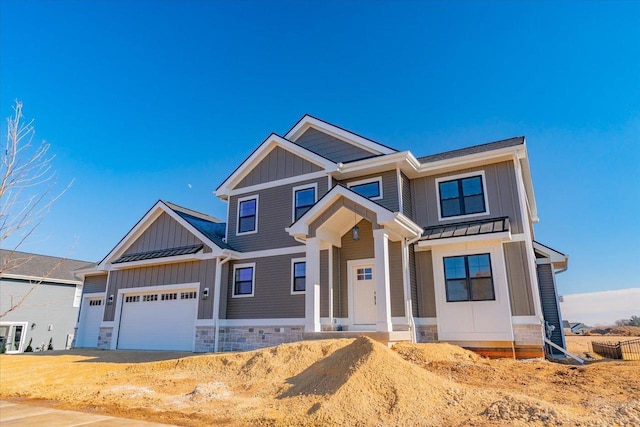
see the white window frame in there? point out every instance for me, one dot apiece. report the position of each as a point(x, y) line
point(253, 280)
point(244, 199)
point(313, 185)
point(293, 263)
point(23, 337)
point(368, 181)
point(462, 176)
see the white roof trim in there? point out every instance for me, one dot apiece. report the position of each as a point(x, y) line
point(261, 152)
point(559, 260)
point(144, 224)
point(40, 279)
point(311, 122)
point(385, 217)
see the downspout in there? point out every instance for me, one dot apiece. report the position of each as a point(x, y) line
point(409, 302)
point(216, 303)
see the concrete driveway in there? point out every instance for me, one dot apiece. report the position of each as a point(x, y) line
point(19, 414)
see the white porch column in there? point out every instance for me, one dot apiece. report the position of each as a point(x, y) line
point(382, 282)
point(312, 294)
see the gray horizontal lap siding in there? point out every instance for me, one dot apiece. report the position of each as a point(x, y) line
point(164, 233)
point(168, 274)
point(278, 164)
point(272, 291)
point(502, 195)
point(324, 283)
point(275, 206)
point(94, 284)
point(426, 296)
point(518, 279)
point(390, 196)
point(330, 147)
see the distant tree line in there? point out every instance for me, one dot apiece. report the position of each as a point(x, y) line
point(634, 321)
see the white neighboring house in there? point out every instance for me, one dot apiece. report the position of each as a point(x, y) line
point(50, 309)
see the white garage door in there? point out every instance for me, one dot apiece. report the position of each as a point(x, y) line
point(89, 325)
point(159, 320)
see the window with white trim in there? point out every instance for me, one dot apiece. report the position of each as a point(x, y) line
point(243, 280)
point(468, 278)
point(247, 215)
point(369, 188)
point(298, 275)
point(304, 197)
point(462, 195)
point(95, 302)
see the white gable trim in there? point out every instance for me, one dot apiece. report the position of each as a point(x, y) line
point(144, 223)
point(311, 122)
point(261, 152)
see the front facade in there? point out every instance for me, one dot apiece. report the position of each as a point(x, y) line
point(331, 234)
point(39, 301)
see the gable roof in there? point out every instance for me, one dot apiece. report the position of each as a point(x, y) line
point(261, 152)
point(307, 121)
point(207, 230)
point(29, 266)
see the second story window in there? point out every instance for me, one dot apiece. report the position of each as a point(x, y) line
point(464, 196)
point(304, 197)
point(298, 275)
point(248, 215)
point(369, 188)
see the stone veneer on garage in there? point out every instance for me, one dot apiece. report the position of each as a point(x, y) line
point(254, 337)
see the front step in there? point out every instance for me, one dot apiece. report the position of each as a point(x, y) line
point(387, 338)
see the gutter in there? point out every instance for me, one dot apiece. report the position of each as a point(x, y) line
point(216, 292)
point(409, 302)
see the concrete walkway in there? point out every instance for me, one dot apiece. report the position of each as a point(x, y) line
point(18, 414)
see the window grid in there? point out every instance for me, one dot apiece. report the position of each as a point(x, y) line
point(463, 196)
point(247, 214)
point(468, 278)
point(148, 298)
point(243, 281)
point(132, 298)
point(169, 297)
point(188, 295)
point(94, 302)
point(364, 273)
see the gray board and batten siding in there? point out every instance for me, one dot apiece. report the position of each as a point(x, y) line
point(389, 188)
point(425, 289)
point(275, 207)
point(202, 272)
point(502, 196)
point(164, 233)
point(95, 284)
point(550, 309)
point(272, 298)
point(407, 200)
point(518, 278)
point(331, 147)
point(278, 164)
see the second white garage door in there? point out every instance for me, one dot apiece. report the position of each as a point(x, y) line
point(90, 318)
point(159, 320)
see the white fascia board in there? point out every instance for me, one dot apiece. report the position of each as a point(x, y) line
point(37, 279)
point(405, 160)
point(492, 237)
point(261, 152)
point(556, 258)
point(311, 122)
point(469, 160)
point(528, 185)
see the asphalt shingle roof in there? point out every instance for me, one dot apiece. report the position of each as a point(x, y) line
point(469, 228)
point(42, 266)
point(208, 225)
point(511, 142)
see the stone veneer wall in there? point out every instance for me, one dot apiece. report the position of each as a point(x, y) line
point(529, 335)
point(104, 338)
point(253, 337)
point(205, 339)
point(427, 333)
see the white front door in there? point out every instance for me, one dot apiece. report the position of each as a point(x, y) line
point(364, 293)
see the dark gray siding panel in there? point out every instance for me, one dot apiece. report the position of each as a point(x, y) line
point(274, 215)
point(414, 280)
point(426, 290)
point(395, 278)
point(502, 194)
point(351, 249)
point(169, 274)
point(164, 233)
point(407, 201)
point(337, 295)
point(272, 291)
point(390, 196)
point(93, 284)
point(278, 164)
point(324, 283)
point(515, 255)
point(331, 147)
point(550, 309)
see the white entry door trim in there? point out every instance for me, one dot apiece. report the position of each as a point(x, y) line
point(362, 315)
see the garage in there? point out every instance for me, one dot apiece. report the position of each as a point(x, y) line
point(90, 319)
point(161, 320)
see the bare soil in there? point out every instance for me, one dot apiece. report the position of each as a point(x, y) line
point(350, 382)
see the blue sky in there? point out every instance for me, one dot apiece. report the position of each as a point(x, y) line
point(143, 100)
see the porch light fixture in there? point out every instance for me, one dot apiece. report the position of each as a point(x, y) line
point(355, 231)
point(205, 293)
point(110, 300)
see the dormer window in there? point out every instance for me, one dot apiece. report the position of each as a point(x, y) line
point(369, 188)
point(248, 215)
point(462, 196)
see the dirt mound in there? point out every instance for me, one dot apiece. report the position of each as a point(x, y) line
point(625, 331)
point(424, 354)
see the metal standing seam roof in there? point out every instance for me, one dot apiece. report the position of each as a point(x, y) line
point(160, 253)
point(469, 228)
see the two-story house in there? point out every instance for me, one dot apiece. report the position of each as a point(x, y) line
point(330, 234)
